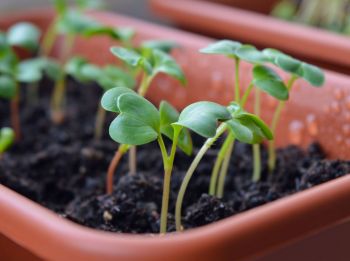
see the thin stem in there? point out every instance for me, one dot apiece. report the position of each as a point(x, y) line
point(256, 147)
point(224, 168)
point(217, 165)
point(246, 94)
point(49, 38)
point(275, 120)
point(99, 122)
point(145, 84)
point(113, 165)
point(209, 142)
point(237, 87)
point(132, 160)
point(15, 118)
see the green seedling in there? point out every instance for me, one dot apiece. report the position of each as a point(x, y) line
point(202, 118)
point(7, 136)
point(13, 71)
point(265, 79)
point(139, 122)
point(150, 62)
point(106, 77)
point(71, 22)
point(296, 69)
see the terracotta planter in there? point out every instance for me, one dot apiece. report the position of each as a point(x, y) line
point(245, 236)
point(318, 46)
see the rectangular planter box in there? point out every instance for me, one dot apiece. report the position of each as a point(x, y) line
point(318, 46)
point(244, 236)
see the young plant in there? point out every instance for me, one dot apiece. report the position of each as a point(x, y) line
point(296, 69)
point(138, 123)
point(265, 79)
point(150, 62)
point(7, 136)
point(106, 77)
point(13, 71)
point(202, 118)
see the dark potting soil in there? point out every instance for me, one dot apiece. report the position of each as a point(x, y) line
point(63, 168)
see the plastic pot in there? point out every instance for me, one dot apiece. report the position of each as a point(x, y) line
point(318, 46)
point(31, 230)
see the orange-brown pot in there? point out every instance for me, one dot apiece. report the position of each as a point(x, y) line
point(318, 46)
point(306, 219)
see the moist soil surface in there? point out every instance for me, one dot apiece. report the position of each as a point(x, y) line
point(63, 168)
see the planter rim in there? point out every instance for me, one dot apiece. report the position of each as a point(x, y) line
point(312, 42)
point(53, 231)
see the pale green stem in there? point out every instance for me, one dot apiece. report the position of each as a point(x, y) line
point(246, 94)
point(275, 120)
point(237, 87)
point(224, 168)
point(209, 142)
point(99, 122)
point(256, 147)
point(49, 38)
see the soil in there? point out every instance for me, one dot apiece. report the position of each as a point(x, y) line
point(63, 168)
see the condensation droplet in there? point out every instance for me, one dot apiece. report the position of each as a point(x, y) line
point(346, 129)
point(296, 132)
point(339, 94)
point(335, 107)
point(338, 139)
point(311, 124)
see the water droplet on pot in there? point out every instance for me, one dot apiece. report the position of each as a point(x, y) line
point(338, 94)
point(335, 107)
point(312, 124)
point(296, 132)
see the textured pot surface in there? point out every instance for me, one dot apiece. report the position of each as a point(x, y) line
point(312, 114)
point(324, 48)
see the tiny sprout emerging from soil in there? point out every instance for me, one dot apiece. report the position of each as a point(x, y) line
point(7, 136)
point(297, 69)
point(149, 62)
point(139, 122)
point(202, 118)
point(106, 77)
point(265, 79)
point(13, 71)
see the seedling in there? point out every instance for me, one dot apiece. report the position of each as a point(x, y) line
point(7, 136)
point(202, 118)
point(106, 77)
point(297, 69)
point(138, 123)
point(13, 72)
point(150, 62)
point(265, 79)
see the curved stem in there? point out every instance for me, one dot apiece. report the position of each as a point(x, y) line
point(275, 120)
point(246, 94)
point(224, 168)
point(113, 165)
point(217, 165)
point(99, 122)
point(209, 142)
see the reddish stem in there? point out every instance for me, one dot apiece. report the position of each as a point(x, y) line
point(111, 169)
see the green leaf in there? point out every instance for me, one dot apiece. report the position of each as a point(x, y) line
point(75, 23)
point(202, 117)
point(241, 132)
point(4, 47)
point(25, 35)
point(250, 54)
point(7, 87)
point(132, 58)
point(7, 137)
point(313, 74)
point(224, 47)
point(120, 34)
point(110, 98)
point(113, 76)
point(8, 63)
point(166, 64)
point(90, 4)
point(29, 71)
point(269, 81)
point(169, 115)
point(60, 6)
point(74, 66)
point(51, 68)
point(162, 45)
point(138, 122)
point(289, 64)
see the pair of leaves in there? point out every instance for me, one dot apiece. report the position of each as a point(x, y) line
point(236, 50)
point(24, 35)
point(139, 122)
point(107, 77)
point(246, 127)
point(308, 72)
point(7, 136)
point(153, 62)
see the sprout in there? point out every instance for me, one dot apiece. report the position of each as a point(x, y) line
point(7, 136)
point(297, 69)
point(138, 123)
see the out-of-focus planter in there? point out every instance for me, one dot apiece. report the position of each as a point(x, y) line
point(244, 236)
point(324, 48)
